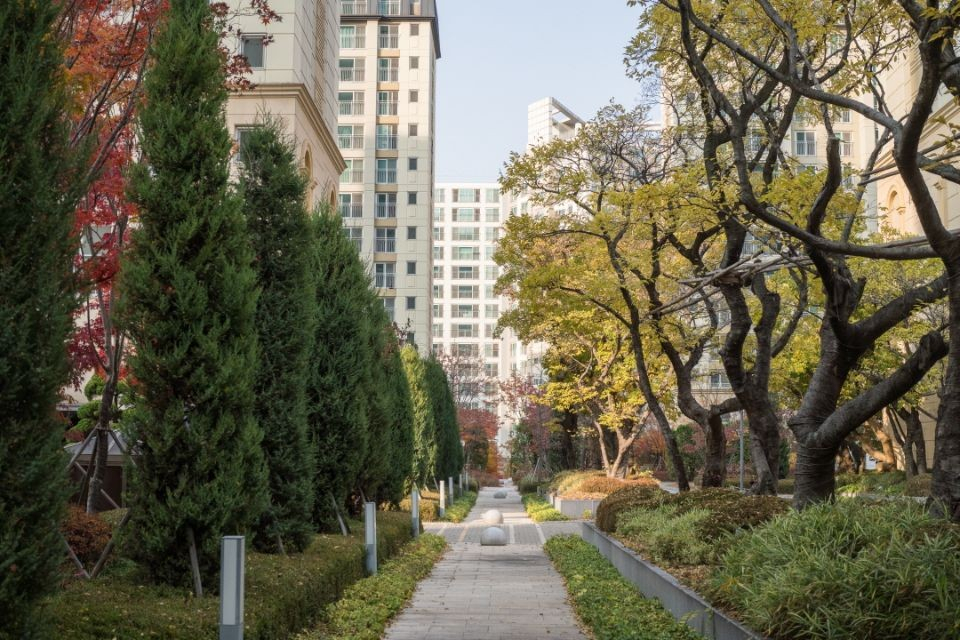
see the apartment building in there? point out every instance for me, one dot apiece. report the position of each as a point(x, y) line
point(387, 78)
point(294, 75)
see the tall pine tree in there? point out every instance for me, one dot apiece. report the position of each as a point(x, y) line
point(39, 186)
point(189, 302)
point(273, 189)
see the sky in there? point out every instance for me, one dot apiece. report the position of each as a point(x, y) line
point(498, 56)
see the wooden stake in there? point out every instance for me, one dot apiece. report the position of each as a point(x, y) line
point(194, 564)
point(102, 560)
point(344, 529)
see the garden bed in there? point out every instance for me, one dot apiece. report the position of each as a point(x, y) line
point(540, 510)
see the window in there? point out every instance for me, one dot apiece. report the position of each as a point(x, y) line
point(493, 196)
point(468, 291)
point(465, 331)
point(437, 272)
point(492, 215)
point(386, 103)
point(806, 143)
point(386, 171)
point(465, 311)
point(438, 214)
point(438, 311)
point(384, 275)
point(845, 116)
point(466, 273)
point(491, 273)
point(411, 197)
point(352, 37)
point(466, 195)
point(350, 136)
point(466, 233)
point(491, 311)
point(389, 304)
point(389, 36)
point(437, 234)
point(414, 29)
point(386, 241)
point(411, 233)
point(489, 330)
point(466, 215)
point(388, 70)
point(354, 235)
point(438, 331)
point(718, 380)
point(492, 234)
point(386, 136)
point(438, 253)
point(411, 302)
point(491, 370)
point(352, 69)
point(466, 253)
point(411, 268)
point(488, 291)
point(389, 7)
point(351, 103)
point(846, 143)
point(351, 205)
point(412, 131)
point(411, 164)
point(414, 95)
point(251, 47)
point(437, 291)
point(488, 252)
point(466, 350)
point(414, 62)
point(491, 350)
point(242, 139)
point(353, 174)
point(411, 338)
point(386, 205)
point(437, 349)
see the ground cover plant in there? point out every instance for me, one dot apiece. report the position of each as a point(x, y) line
point(430, 506)
point(594, 485)
point(369, 604)
point(608, 605)
point(458, 511)
point(623, 500)
point(283, 593)
point(540, 510)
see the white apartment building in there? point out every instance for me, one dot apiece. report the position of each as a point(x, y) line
point(388, 54)
point(294, 77)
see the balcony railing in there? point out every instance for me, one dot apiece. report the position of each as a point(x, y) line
point(387, 141)
point(354, 41)
point(386, 245)
point(356, 7)
point(351, 210)
point(388, 41)
point(352, 74)
point(386, 8)
point(386, 176)
point(351, 108)
point(352, 176)
point(388, 74)
point(385, 281)
point(386, 210)
point(385, 108)
point(350, 142)
point(389, 7)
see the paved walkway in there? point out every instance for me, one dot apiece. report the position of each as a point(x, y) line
point(491, 593)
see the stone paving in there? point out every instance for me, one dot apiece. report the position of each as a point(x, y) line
point(491, 593)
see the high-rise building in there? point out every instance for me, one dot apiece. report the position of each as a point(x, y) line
point(293, 65)
point(388, 54)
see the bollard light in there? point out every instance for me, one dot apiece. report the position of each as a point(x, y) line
point(450, 489)
point(370, 535)
point(415, 511)
point(443, 499)
point(232, 553)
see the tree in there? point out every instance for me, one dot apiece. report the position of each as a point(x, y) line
point(425, 430)
point(189, 303)
point(41, 181)
point(449, 456)
point(477, 428)
point(273, 190)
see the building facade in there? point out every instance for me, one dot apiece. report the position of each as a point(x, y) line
point(386, 97)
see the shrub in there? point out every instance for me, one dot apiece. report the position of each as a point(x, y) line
point(729, 510)
point(540, 510)
point(623, 500)
point(484, 479)
point(366, 606)
point(86, 534)
point(885, 483)
point(528, 484)
point(918, 486)
point(458, 511)
point(848, 570)
point(667, 535)
point(785, 485)
point(607, 604)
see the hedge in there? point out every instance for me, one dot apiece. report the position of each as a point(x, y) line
point(540, 510)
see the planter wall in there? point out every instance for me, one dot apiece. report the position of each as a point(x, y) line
point(653, 582)
point(573, 508)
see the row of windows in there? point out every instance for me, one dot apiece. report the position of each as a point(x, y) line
point(491, 196)
point(353, 103)
point(388, 69)
point(468, 234)
point(351, 204)
point(464, 253)
point(460, 310)
point(388, 36)
point(386, 173)
point(385, 274)
point(467, 215)
point(491, 350)
point(465, 273)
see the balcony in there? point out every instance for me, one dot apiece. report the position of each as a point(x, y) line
point(351, 210)
point(388, 41)
point(352, 176)
point(385, 281)
point(354, 41)
point(385, 108)
point(350, 142)
point(386, 210)
point(352, 74)
point(424, 8)
point(386, 176)
point(388, 74)
point(386, 245)
point(387, 142)
point(351, 108)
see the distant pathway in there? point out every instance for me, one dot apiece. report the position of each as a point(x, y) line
point(491, 593)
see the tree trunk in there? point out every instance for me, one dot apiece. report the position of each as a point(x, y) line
point(715, 462)
point(98, 465)
point(945, 487)
point(916, 439)
point(815, 480)
point(568, 429)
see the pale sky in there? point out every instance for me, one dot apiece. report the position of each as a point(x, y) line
point(498, 56)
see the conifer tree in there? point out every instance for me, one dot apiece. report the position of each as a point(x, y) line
point(273, 188)
point(189, 302)
point(39, 186)
point(338, 390)
point(449, 453)
point(424, 425)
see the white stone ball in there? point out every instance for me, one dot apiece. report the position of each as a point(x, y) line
point(493, 537)
point(500, 494)
point(493, 516)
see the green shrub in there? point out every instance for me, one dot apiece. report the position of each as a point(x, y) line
point(540, 510)
point(368, 605)
point(667, 536)
point(528, 484)
point(786, 485)
point(848, 570)
point(284, 594)
point(460, 509)
point(885, 483)
point(623, 500)
point(607, 604)
point(918, 486)
point(729, 510)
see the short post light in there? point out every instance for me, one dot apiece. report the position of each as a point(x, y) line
point(453, 496)
point(232, 555)
point(415, 511)
point(443, 499)
point(370, 535)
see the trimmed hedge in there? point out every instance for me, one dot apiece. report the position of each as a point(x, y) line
point(368, 605)
point(624, 500)
point(284, 594)
point(594, 485)
point(460, 509)
point(607, 604)
point(430, 506)
point(540, 510)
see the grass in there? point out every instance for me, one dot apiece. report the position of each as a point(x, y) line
point(458, 511)
point(284, 594)
point(607, 604)
point(540, 510)
point(368, 605)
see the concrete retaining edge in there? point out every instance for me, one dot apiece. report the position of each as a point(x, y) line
point(573, 508)
point(653, 582)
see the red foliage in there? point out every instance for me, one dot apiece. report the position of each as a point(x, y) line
point(86, 534)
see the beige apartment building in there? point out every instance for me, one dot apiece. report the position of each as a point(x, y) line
point(294, 77)
point(386, 97)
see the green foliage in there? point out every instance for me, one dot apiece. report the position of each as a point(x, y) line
point(284, 594)
point(425, 431)
point(594, 484)
point(39, 186)
point(460, 509)
point(189, 299)
point(368, 605)
point(429, 506)
point(891, 483)
point(844, 571)
point(626, 499)
point(609, 606)
point(529, 484)
point(918, 486)
point(273, 190)
point(449, 456)
point(667, 536)
point(540, 510)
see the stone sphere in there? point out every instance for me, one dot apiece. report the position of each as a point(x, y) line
point(493, 516)
point(500, 495)
point(493, 537)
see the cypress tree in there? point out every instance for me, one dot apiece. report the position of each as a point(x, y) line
point(424, 425)
point(338, 391)
point(39, 186)
point(189, 302)
point(449, 456)
point(273, 189)
point(400, 466)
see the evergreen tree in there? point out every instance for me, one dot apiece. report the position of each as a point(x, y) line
point(402, 424)
point(273, 188)
point(338, 389)
point(39, 185)
point(449, 453)
point(189, 302)
point(424, 425)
